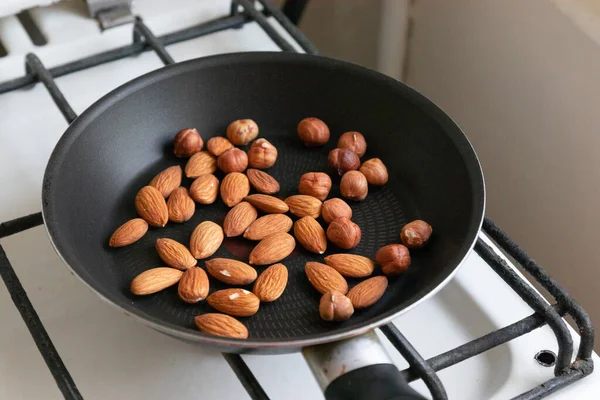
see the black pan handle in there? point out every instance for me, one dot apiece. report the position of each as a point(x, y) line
point(357, 368)
point(379, 381)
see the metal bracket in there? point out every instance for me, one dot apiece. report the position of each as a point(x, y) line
point(111, 13)
point(331, 360)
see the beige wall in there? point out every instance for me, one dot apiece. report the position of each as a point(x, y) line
point(523, 81)
point(372, 33)
point(344, 29)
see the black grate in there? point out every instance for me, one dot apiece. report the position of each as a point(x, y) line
point(33, 30)
point(144, 40)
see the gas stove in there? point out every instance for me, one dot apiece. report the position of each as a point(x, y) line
point(487, 335)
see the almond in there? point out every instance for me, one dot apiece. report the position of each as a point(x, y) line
point(268, 204)
point(367, 292)
point(200, 163)
point(310, 234)
point(237, 302)
point(234, 188)
point(205, 189)
point(268, 225)
point(128, 233)
point(271, 283)
point(351, 265)
point(231, 271)
point(262, 182)
point(174, 254)
point(324, 278)
point(301, 205)
point(151, 206)
point(181, 206)
point(206, 240)
point(272, 249)
point(218, 145)
point(168, 180)
point(239, 218)
point(154, 280)
point(193, 286)
point(221, 325)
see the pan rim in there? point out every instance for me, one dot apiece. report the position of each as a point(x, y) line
point(456, 135)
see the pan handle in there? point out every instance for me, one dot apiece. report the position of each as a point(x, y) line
point(358, 368)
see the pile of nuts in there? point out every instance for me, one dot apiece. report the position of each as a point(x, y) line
point(165, 200)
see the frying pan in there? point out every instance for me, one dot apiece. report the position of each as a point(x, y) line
point(116, 146)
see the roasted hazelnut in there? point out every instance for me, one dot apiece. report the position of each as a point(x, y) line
point(313, 132)
point(218, 145)
point(415, 234)
point(334, 306)
point(344, 233)
point(233, 160)
point(353, 141)
point(187, 143)
point(375, 171)
point(354, 186)
point(335, 208)
point(315, 184)
point(393, 258)
point(242, 131)
point(262, 154)
point(342, 160)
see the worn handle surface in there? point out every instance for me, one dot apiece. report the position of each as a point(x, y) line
point(379, 381)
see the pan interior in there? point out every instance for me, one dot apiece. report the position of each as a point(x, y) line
point(122, 141)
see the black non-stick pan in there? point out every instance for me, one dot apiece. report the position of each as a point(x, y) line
point(116, 146)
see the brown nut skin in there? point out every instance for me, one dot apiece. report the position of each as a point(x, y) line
point(187, 143)
point(315, 184)
point(181, 206)
point(354, 186)
point(233, 160)
point(193, 286)
point(334, 306)
point(394, 259)
point(375, 172)
point(221, 325)
point(344, 233)
point(415, 234)
point(218, 145)
point(313, 132)
point(342, 161)
point(128, 233)
point(242, 131)
point(353, 141)
point(262, 154)
point(205, 189)
point(262, 182)
point(335, 208)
